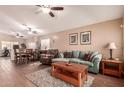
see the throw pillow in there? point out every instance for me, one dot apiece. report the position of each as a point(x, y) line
point(75, 54)
point(82, 54)
point(61, 55)
point(87, 57)
point(67, 54)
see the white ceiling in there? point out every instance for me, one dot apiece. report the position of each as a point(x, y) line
point(12, 17)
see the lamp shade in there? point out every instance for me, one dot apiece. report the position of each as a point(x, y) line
point(112, 46)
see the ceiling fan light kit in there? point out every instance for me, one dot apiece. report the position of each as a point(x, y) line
point(48, 9)
point(30, 30)
point(19, 36)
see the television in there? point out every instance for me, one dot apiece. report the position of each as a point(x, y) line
point(15, 46)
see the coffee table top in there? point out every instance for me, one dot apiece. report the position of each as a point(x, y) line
point(73, 67)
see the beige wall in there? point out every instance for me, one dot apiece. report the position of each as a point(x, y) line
point(102, 34)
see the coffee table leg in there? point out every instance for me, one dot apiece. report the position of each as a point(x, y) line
point(120, 69)
point(86, 74)
point(52, 70)
point(79, 80)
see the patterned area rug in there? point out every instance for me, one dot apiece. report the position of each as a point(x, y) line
point(43, 78)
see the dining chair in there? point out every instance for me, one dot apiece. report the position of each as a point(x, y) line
point(29, 53)
point(36, 55)
point(17, 56)
point(20, 57)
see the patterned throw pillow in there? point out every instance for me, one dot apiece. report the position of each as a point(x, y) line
point(67, 54)
point(61, 55)
point(87, 57)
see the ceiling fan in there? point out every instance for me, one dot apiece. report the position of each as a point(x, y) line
point(18, 35)
point(30, 30)
point(48, 9)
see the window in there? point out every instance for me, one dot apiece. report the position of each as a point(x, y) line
point(45, 43)
point(32, 45)
point(8, 45)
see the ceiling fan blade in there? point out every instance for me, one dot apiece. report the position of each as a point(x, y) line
point(24, 25)
point(21, 36)
point(57, 8)
point(38, 11)
point(51, 14)
point(38, 5)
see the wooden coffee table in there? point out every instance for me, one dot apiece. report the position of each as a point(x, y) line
point(75, 74)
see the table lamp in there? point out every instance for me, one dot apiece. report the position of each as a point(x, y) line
point(111, 47)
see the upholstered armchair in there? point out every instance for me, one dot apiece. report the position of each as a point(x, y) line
point(46, 57)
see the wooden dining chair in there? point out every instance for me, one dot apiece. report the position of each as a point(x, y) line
point(29, 54)
point(36, 55)
point(20, 57)
point(17, 56)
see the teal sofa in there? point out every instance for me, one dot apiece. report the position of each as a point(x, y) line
point(78, 57)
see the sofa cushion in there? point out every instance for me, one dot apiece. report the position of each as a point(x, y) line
point(81, 55)
point(86, 63)
point(60, 59)
point(75, 54)
point(74, 60)
point(67, 54)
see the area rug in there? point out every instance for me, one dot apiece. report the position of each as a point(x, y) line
point(43, 78)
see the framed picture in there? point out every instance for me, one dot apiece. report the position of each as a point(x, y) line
point(73, 39)
point(85, 38)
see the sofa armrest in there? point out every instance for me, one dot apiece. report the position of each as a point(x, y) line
point(96, 60)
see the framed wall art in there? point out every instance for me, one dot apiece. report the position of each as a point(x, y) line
point(73, 39)
point(85, 38)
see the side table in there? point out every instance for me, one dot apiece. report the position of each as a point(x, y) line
point(112, 67)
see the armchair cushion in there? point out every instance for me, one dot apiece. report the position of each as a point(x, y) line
point(46, 58)
point(54, 52)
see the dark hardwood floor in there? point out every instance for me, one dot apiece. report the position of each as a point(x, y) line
point(12, 75)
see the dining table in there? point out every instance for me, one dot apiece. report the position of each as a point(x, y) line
point(25, 55)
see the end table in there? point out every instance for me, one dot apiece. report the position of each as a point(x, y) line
point(112, 67)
